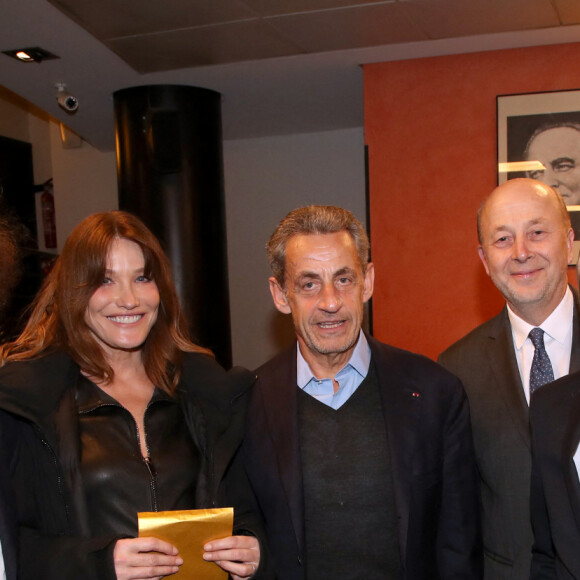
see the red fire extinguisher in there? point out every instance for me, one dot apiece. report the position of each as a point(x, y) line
point(48, 216)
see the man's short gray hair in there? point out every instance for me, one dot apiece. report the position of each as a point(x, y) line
point(314, 219)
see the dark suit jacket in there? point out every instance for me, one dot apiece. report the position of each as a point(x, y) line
point(555, 502)
point(435, 483)
point(485, 362)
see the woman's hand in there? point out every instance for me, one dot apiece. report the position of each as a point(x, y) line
point(238, 555)
point(145, 559)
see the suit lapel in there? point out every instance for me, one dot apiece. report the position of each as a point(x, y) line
point(569, 446)
point(575, 353)
point(281, 409)
point(502, 361)
point(401, 409)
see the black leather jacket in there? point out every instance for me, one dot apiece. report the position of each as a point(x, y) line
point(41, 436)
point(118, 481)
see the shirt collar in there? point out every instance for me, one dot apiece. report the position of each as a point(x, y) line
point(360, 361)
point(556, 325)
point(90, 396)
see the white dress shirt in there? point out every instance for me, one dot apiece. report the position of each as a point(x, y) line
point(2, 567)
point(577, 461)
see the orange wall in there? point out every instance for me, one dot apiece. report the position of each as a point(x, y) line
point(430, 127)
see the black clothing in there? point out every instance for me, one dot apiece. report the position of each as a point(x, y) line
point(426, 417)
point(8, 516)
point(555, 492)
point(117, 480)
point(42, 419)
point(348, 487)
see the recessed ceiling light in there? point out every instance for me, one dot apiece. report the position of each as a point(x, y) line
point(33, 54)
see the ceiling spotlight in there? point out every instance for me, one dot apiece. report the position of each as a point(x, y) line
point(22, 55)
point(65, 100)
point(33, 54)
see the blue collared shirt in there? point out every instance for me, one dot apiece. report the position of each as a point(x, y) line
point(348, 378)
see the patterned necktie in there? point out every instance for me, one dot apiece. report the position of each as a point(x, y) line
point(541, 371)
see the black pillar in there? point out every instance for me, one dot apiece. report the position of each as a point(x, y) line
point(170, 174)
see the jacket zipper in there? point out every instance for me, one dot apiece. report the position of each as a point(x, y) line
point(146, 460)
point(148, 464)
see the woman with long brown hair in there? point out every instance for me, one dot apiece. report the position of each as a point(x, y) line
point(110, 409)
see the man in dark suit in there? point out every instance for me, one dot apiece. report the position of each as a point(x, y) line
point(555, 494)
point(360, 454)
point(525, 242)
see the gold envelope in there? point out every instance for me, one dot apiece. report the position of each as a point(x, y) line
point(188, 531)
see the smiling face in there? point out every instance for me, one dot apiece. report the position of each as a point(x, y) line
point(122, 311)
point(558, 150)
point(525, 247)
point(325, 290)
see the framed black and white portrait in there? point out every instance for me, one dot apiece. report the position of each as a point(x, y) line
point(539, 137)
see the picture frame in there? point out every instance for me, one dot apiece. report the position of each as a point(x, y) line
point(527, 125)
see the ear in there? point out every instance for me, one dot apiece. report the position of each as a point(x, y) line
point(279, 296)
point(570, 245)
point(481, 254)
point(369, 282)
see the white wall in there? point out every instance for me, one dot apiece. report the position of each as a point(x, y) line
point(265, 179)
point(13, 119)
point(39, 136)
point(85, 182)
